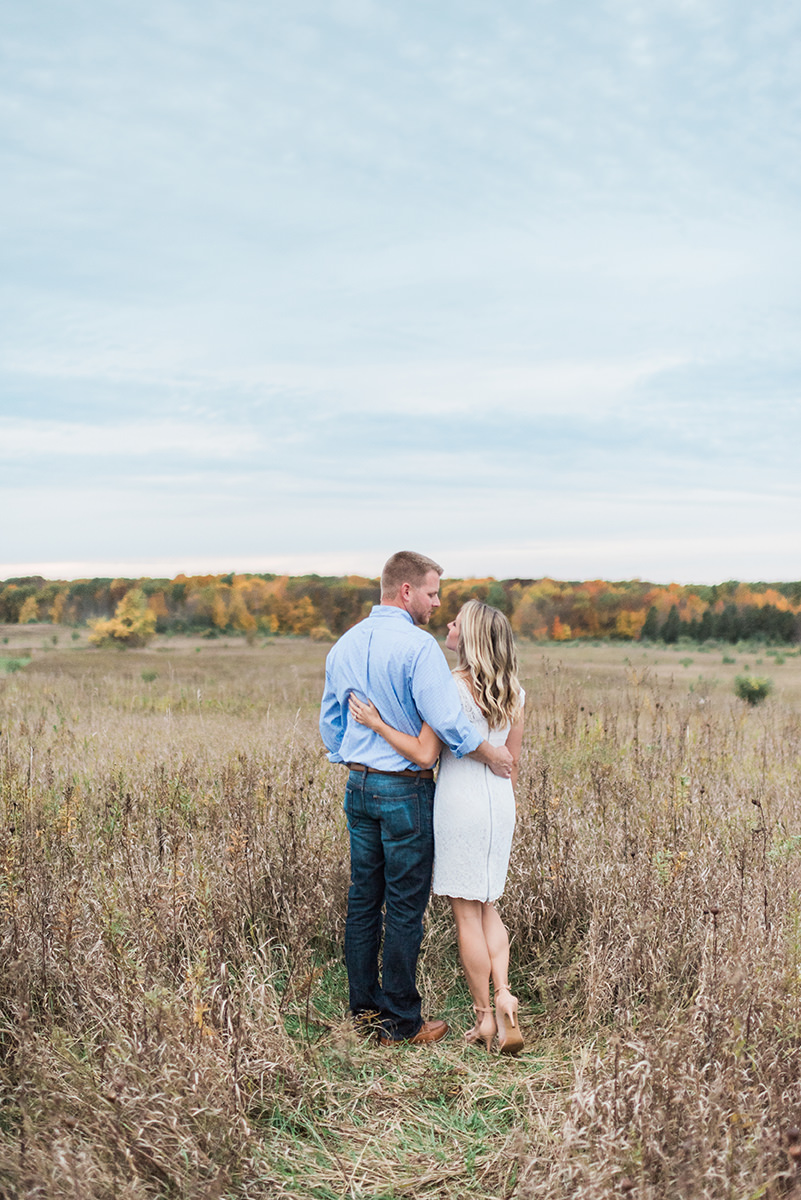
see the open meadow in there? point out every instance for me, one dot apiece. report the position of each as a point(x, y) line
point(173, 876)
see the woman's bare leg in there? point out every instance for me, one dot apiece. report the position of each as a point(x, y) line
point(476, 963)
point(510, 1040)
point(496, 940)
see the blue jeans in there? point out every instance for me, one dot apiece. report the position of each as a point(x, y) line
point(391, 857)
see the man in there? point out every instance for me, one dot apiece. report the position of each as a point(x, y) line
point(389, 659)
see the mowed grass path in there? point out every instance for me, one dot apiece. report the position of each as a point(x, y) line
point(173, 875)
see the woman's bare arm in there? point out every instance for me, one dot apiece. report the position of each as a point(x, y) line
point(423, 749)
point(514, 744)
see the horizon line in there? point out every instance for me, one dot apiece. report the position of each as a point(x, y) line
point(292, 566)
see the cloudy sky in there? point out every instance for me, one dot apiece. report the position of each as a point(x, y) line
point(291, 284)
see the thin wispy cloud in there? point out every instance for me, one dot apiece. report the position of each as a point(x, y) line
point(26, 440)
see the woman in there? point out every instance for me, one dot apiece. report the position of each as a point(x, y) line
point(474, 810)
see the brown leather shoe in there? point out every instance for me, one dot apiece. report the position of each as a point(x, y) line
point(429, 1031)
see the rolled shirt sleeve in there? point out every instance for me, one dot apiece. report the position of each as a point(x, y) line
point(437, 701)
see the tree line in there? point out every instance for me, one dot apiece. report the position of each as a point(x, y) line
point(323, 607)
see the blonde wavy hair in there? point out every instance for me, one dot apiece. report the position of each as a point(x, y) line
point(486, 655)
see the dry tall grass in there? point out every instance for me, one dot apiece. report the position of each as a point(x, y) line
point(173, 869)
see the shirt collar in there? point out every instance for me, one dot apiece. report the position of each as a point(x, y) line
point(390, 611)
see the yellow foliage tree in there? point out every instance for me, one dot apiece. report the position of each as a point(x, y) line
point(133, 623)
point(238, 614)
point(219, 611)
point(57, 607)
point(252, 593)
point(29, 611)
point(628, 624)
point(303, 616)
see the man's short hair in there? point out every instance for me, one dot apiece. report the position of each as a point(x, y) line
point(406, 567)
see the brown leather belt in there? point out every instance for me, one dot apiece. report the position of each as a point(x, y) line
point(428, 774)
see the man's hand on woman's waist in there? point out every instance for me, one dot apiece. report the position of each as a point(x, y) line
point(497, 758)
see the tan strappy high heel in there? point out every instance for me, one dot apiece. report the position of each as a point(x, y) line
point(510, 1039)
point(484, 1029)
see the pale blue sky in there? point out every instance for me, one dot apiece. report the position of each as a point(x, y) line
point(291, 286)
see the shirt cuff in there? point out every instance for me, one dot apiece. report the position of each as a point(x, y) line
point(468, 744)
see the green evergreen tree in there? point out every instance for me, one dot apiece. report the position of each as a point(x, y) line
point(729, 626)
point(650, 630)
point(672, 627)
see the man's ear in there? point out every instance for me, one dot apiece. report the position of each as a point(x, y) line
point(404, 591)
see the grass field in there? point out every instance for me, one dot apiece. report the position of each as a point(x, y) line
point(173, 874)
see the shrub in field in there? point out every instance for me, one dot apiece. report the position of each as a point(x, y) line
point(13, 664)
point(752, 688)
point(133, 623)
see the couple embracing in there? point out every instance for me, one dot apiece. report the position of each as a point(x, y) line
point(390, 710)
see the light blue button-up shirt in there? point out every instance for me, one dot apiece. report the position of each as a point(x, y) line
point(388, 659)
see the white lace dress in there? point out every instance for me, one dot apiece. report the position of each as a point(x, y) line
point(474, 818)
